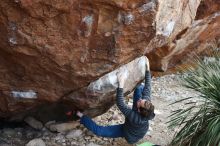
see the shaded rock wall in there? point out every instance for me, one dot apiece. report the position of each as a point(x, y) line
point(207, 8)
point(50, 49)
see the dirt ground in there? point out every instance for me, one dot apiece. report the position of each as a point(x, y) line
point(165, 90)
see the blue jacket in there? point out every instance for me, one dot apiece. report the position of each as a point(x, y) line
point(135, 126)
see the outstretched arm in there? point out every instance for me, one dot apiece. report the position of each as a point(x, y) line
point(121, 104)
point(120, 96)
point(147, 86)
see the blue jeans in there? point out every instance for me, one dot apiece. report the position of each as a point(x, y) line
point(113, 131)
point(137, 95)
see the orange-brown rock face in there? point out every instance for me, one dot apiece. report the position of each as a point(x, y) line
point(191, 41)
point(189, 35)
point(50, 49)
point(207, 8)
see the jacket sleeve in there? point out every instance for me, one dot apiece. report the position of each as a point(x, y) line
point(121, 104)
point(147, 86)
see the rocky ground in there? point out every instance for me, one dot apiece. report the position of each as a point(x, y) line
point(165, 90)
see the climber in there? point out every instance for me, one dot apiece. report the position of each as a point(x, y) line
point(136, 118)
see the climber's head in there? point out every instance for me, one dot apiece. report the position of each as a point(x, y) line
point(146, 108)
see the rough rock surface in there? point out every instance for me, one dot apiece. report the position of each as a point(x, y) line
point(36, 142)
point(50, 49)
point(165, 90)
point(105, 87)
point(207, 8)
point(193, 40)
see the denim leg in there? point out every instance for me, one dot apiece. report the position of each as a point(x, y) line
point(137, 95)
point(113, 131)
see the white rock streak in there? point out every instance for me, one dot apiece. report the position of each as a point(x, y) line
point(134, 71)
point(12, 33)
point(88, 20)
point(24, 94)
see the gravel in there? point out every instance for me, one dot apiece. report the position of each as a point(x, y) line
point(165, 90)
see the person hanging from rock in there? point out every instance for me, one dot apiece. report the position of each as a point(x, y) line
point(136, 122)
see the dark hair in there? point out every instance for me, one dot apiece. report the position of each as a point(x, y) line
point(147, 111)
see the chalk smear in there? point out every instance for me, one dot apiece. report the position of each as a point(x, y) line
point(169, 28)
point(24, 94)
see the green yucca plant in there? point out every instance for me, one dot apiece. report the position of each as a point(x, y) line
point(199, 122)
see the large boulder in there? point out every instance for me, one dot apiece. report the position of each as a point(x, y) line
point(192, 41)
point(51, 50)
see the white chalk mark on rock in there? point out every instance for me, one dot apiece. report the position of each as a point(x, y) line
point(124, 18)
point(142, 65)
point(169, 28)
point(12, 39)
point(98, 85)
point(108, 83)
point(128, 19)
point(216, 14)
point(88, 20)
point(24, 94)
point(147, 7)
point(112, 78)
